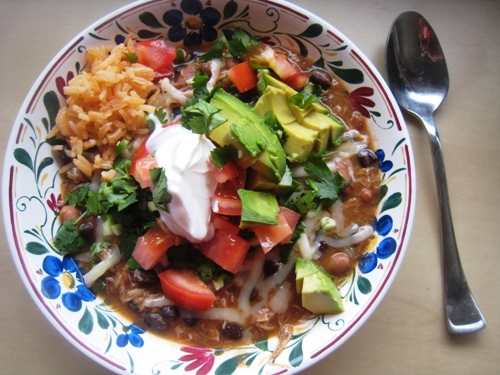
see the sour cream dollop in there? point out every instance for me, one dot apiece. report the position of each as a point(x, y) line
point(184, 156)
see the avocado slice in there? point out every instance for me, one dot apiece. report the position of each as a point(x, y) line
point(258, 147)
point(274, 82)
point(258, 207)
point(323, 125)
point(320, 295)
point(299, 143)
point(337, 127)
point(259, 182)
point(274, 100)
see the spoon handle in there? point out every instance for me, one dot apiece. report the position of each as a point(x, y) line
point(462, 313)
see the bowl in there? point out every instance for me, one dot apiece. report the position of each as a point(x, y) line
point(30, 194)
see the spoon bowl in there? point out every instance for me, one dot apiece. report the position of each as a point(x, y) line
point(418, 77)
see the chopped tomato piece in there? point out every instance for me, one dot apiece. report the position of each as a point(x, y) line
point(297, 81)
point(267, 56)
point(242, 76)
point(228, 172)
point(221, 222)
point(271, 235)
point(157, 55)
point(226, 199)
point(185, 289)
point(142, 151)
point(141, 170)
point(151, 247)
point(292, 218)
point(343, 169)
point(226, 249)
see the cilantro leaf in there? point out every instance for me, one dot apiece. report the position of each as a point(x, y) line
point(325, 183)
point(272, 123)
point(237, 43)
point(200, 90)
point(303, 99)
point(78, 196)
point(98, 247)
point(68, 238)
point(223, 155)
point(121, 192)
point(201, 117)
point(131, 57)
point(160, 114)
point(161, 196)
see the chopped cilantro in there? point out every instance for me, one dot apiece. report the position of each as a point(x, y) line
point(325, 183)
point(78, 196)
point(303, 99)
point(98, 247)
point(201, 117)
point(131, 57)
point(237, 42)
point(223, 155)
point(68, 238)
point(160, 114)
point(272, 123)
point(161, 196)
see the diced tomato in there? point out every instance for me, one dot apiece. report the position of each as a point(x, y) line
point(141, 171)
point(228, 172)
point(142, 151)
point(271, 235)
point(267, 56)
point(152, 246)
point(292, 218)
point(157, 55)
point(229, 206)
point(226, 249)
point(185, 289)
point(221, 222)
point(227, 200)
point(343, 169)
point(297, 81)
point(242, 76)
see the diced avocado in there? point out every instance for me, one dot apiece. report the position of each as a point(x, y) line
point(258, 207)
point(304, 268)
point(231, 108)
point(337, 127)
point(322, 124)
point(272, 161)
point(259, 182)
point(252, 133)
point(248, 128)
point(299, 143)
point(300, 113)
point(274, 82)
point(320, 295)
point(274, 100)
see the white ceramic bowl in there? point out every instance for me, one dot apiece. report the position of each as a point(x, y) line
point(31, 191)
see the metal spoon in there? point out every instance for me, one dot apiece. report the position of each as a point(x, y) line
point(418, 78)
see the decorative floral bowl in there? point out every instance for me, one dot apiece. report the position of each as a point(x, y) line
point(31, 192)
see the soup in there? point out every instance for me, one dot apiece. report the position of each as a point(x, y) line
point(206, 191)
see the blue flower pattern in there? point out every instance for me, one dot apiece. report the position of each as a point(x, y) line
point(383, 226)
point(64, 279)
point(130, 335)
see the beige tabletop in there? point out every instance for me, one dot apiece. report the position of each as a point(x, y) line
point(407, 332)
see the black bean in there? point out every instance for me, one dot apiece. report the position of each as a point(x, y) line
point(87, 228)
point(367, 157)
point(155, 321)
point(144, 278)
point(321, 77)
point(190, 321)
point(171, 313)
point(232, 331)
point(271, 267)
point(176, 111)
point(132, 305)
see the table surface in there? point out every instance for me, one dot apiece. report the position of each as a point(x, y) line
point(407, 332)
